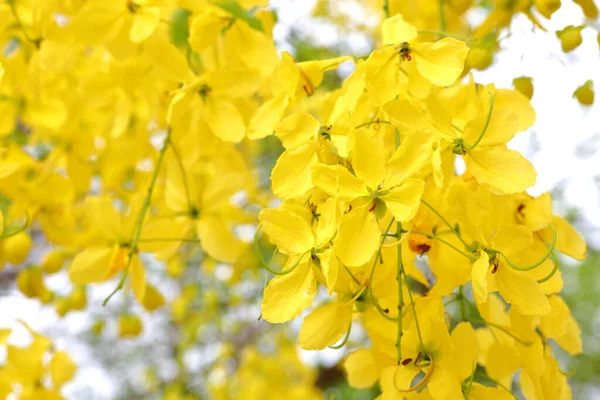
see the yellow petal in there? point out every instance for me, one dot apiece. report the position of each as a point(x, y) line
point(296, 129)
point(568, 241)
point(292, 175)
point(91, 265)
point(561, 326)
point(224, 120)
point(415, 151)
point(522, 291)
point(503, 125)
point(325, 326)
point(206, 28)
point(502, 361)
point(504, 170)
point(466, 350)
point(145, 21)
point(286, 296)
point(218, 240)
point(403, 201)
point(167, 61)
point(358, 237)
point(336, 180)
point(368, 159)
point(137, 276)
point(441, 62)
point(362, 369)
point(479, 277)
point(330, 267)
point(290, 233)
point(516, 102)
point(266, 117)
point(62, 369)
point(443, 384)
point(395, 30)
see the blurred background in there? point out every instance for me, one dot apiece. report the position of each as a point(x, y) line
point(563, 145)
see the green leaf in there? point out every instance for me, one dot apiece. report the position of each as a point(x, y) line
point(180, 28)
point(234, 8)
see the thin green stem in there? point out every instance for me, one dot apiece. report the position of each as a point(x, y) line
point(344, 341)
point(370, 290)
point(142, 215)
point(352, 275)
point(445, 221)
point(538, 263)
point(372, 123)
point(441, 15)
point(386, 8)
point(266, 265)
point(414, 309)
point(554, 270)
point(470, 258)
point(399, 273)
point(505, 330)
point(470, 384)
point(485, 127)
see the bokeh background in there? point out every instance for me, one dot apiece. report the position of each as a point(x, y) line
point(563, 145)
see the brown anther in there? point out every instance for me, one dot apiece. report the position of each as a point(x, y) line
point(406, 361)
point(373, 206)
point(495, 269)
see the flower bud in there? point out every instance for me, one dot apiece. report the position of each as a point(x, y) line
point(585, 93)
point(547, 7)
point(588, 7)
point(16, 248)
point(524, 85)
point(78, 298)
point(30, 282)
point(53, 261)
point(153, 299)
point(570, 38)
point(479, 58)
point(130, 326)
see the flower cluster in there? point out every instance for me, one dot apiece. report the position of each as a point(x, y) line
point(370, 193)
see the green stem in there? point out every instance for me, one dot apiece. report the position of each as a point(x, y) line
point(352, 275)
point(414, 309)
point(470, 258)
point(399, 273)
point(386, 8)
point(554, 270)
point(445, 221)
point(370, 289)
point(485, 127)
point(344, 341)
point(505, 330)
point(371, 123)
point(468, 392)
point(537, 264)
point(441, 15)
point(142, 215)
